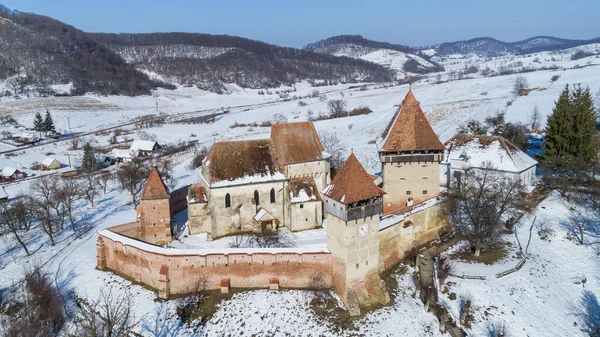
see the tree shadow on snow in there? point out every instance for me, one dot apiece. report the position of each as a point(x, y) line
point(588, 312)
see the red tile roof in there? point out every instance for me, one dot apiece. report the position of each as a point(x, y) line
point(409, 129)
point(228, 161)
point(352, 183)
point(197, 193)
point(155, 187)
point(295, 185)
point(296, 143)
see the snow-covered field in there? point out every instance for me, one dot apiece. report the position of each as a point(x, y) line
point(536, 301)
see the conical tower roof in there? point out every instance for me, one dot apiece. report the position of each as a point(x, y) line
point(409, 130)
point(155, 188)
point(352, 183)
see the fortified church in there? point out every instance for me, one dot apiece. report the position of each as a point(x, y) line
point(285, 181)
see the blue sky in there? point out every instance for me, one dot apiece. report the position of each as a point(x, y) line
point(296, 23)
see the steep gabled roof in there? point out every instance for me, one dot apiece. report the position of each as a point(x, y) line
point(474, 150)
point(352, 183)
point(297, 143)
point(155, 188)
point(409, 130)
point(238, 162)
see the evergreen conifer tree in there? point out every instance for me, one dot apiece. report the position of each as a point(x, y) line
point(88, 163)
point(38, 122)
point(49, 123)
point(559, 130)
point(584, 124)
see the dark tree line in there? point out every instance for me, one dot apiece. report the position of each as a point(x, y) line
point(51, 52)
point(248, 63)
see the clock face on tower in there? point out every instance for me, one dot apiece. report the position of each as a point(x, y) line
point(363, 230)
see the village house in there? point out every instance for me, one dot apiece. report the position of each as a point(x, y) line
point(491, 153)
point(50, 163)
point(11, 173)
point(253, 184)
point(139, 148)
point(27, 137)
point(144, 147)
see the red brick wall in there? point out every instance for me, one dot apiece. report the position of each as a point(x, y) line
point(155, 221)
point(186, 272)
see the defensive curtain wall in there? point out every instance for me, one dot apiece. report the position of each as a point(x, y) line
point(172, 271)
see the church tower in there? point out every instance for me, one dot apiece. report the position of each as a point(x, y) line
point(410, 154)
point(154, 211)
point(354, 204)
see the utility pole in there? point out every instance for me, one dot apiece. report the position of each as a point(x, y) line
point(69, 122)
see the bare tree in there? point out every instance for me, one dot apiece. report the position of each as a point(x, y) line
point(43, 199)
point(90, 189)
point(111, 315)
point(520, 85)
point(75, 143)
point(279, 119)
point(165, 168)
point(198, 158)
point(68, 192)
point(477, 201)
point(132, 176)
point(11, 222)
point(535, 120)
point(38, 307)
point(335, 147)
point(22, 211)
point(103, 179)
point(337, 107)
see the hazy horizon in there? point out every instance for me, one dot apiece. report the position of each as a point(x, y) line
point(297, 24)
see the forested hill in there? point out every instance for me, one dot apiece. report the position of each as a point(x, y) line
point(359, 41)
point(211, 61)
point(40, 51)
point(490, 47)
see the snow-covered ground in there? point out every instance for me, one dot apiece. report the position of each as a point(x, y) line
point(541, 295)
point(545, 297)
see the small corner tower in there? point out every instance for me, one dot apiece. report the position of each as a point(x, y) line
point(410, 154)
point(154, 212)
point(354, 204)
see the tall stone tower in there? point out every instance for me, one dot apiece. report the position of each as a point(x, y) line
point(154, 212)
point(354, 204)
point(410, 154)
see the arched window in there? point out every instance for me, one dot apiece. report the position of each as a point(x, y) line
point(227, 200)
point(272, 195)
point(256, 200)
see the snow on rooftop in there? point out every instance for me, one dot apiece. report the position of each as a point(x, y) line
point(8, 171)
point(302, 197)
point(122, 153)
point(475, 153)
point(48, 161)
point(390, 220)
point(142, 145)
point(250, 179)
